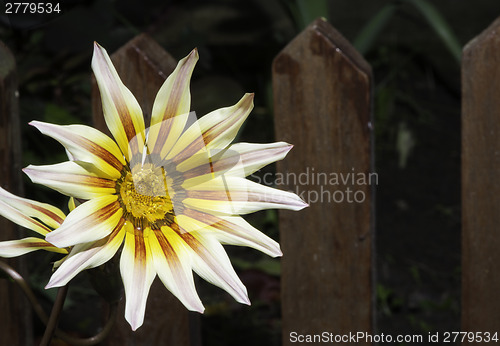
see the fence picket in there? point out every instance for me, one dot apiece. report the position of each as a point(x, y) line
point(480, 188)
point(143, 66)
point(322, 103)
point(16, 329)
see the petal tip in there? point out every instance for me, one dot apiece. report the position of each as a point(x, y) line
point(191, 58)
point(51, 284)
point(200, 309)
point(287, 147)
point(39, 125)
point(50, 239)
point(49, 236)
point(247, 100)
point(278, 252)
point(135, 323)
point(27, 170)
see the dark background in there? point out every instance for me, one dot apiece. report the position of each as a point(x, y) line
point(417, 131)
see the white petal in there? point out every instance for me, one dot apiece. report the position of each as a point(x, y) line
point(232, 230)
point(13, 248)
point(254, 156)
point(233, 195)
point(162, 136)
point(22, 220)
point(171, 107)
point(48, 214)
point(72, 179)
point(211, 262)
point(86, 256)
point(87, 144)
point(122, 112)
point(138, 274)
point(215, 130)
point(174, 98)
point(172, 262)
point(239, 160)
point(90, 221)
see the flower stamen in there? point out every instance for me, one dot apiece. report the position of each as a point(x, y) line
point(144, 194)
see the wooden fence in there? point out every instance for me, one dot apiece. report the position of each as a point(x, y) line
point(480, 187)
point(323, 105)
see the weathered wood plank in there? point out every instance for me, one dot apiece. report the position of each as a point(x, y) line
point(322, 103)
point(143, 66)
point(15, 328)
point(480, 187)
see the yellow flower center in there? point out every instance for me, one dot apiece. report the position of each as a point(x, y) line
point(144, 194)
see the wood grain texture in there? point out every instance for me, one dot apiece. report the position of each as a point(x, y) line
point(480, 187)
point(143, 67)
point(15, 323)
point(323, 105)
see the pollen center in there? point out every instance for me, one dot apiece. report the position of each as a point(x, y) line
point(144, 193)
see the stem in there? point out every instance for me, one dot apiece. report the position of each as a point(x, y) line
point(19, 280)
point(54, 315)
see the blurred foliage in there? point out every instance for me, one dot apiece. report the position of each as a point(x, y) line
point(413, 47)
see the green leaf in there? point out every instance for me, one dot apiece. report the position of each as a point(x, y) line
point(368, 35)
point(439, 24)
point(311, 9)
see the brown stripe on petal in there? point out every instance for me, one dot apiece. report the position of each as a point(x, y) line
point(164, 244)
point(41, 244)
point(172, 258)
point(47, 212)
point(118, 101)
point(197, 246)
point(218, 166)
point(86, 143)
point(35, 222)
point(190, 150)
point(218, 223)
point(86, 180)
point(108, 239)
point(98, 151)
point(237, 196)
point(178, 88)
point(50, 247)
point(116, 231)
point(215, 131)
point(219, 128)
point(225, 195)
point(98, 182)
point(103, 214)
point(42, 210)
point(209, 259)
point(163, 133)
point(139, 250)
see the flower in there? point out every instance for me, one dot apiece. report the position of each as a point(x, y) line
point(171, 193)
point(39, 217)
